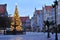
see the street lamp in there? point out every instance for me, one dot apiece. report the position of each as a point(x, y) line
point(54, 6)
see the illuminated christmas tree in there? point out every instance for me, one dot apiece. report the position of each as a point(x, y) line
point(16, 22)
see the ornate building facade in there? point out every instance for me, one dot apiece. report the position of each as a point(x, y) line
point(3, 16)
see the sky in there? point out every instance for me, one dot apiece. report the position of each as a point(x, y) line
point(25, 7)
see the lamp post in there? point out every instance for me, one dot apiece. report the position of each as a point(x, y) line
point(55, 6)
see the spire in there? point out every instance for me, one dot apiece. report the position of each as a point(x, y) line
point(35, 9)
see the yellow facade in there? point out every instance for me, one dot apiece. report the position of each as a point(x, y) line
point(17, 20)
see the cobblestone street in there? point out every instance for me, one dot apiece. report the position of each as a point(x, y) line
point(29, 36)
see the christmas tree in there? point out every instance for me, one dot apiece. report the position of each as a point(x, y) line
point(16, 22)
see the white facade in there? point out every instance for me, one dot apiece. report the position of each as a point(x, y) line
point(32, 22)
point(45, 17)
point(38, 20)
point(35, 20)
point(58, 13)
point(41, 20)
point(28, 22)
point(49, 14)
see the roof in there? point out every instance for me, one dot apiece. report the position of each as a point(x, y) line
point(37, 11)
point(2, 8)
point(48, 8)
point(23, 19)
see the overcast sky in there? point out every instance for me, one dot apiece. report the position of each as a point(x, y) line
point(25, 7)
